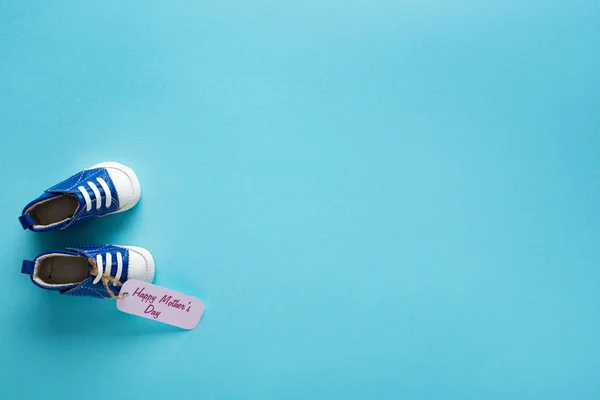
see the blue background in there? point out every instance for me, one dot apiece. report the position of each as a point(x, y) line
point(375, 199)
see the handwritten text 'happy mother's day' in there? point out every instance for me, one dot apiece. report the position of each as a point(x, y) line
point(153, 308)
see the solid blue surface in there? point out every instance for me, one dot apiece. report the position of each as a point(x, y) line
point(375, 199)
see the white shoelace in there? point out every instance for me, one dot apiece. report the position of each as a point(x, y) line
point(88, 199)
point(102, 271)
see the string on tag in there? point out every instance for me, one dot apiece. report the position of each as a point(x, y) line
point(105, 279)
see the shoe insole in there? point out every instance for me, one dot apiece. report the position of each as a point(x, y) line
point(62, 269)
point(54, 210)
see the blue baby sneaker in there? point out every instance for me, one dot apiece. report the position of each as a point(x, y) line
point(103, 189)
point(95, 271)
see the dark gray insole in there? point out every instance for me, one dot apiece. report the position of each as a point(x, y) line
point(54, 210)
point(63, 269)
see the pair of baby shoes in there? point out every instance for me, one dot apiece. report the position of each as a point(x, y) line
point(95, 271)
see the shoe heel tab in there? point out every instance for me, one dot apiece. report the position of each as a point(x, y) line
point(28, 267)
point(26, 221)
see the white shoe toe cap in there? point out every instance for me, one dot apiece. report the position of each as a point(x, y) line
point(141, 264)
point(126, 183)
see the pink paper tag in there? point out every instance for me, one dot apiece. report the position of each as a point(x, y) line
point(161, 304)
